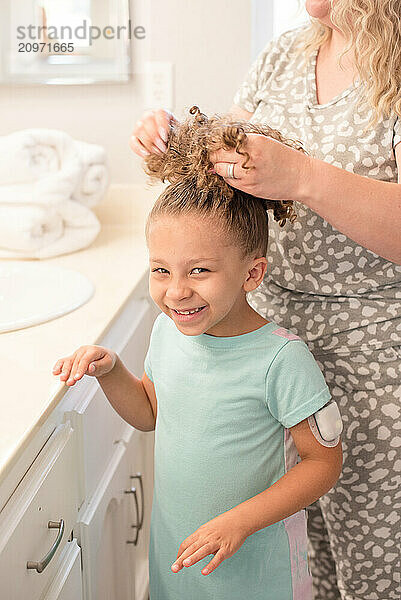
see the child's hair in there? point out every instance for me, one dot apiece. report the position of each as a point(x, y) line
point(194, 188)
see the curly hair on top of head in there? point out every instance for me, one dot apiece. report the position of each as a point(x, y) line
point(190, 144)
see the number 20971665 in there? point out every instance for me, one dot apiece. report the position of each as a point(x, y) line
point(45, 47)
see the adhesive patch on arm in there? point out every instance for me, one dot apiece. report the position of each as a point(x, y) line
point(326, 425)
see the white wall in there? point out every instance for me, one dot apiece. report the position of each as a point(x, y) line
point(288, 14)
point(209, 43)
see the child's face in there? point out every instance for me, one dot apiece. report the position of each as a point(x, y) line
point(193, 265)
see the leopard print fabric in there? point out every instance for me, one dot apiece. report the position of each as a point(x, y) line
point(345, 302)
point(355, 529)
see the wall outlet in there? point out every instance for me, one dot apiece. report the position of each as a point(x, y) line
point(159, 85)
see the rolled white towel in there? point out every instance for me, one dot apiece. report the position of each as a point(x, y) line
point(32, 154)
point(25, 228)
point(49, 191)
point(37, 231)
point(94, 176)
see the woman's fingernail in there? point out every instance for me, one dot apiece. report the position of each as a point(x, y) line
point(161, 145)
point(175, 567)
point(163, 134)
point(145, 152)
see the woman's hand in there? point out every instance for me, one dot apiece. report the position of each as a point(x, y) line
point(150, 133)
point(221, 536)
point(279, 171)
point(87, 360)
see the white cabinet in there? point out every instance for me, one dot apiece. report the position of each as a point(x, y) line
point(48, 493)
point(67, 584)
point(140, 448)
point(92, 481)
point(105, 528)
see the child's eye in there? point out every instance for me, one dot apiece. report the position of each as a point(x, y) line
point(159, 269)
point(198, 269)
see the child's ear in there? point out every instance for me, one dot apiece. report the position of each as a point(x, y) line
point(256, 272)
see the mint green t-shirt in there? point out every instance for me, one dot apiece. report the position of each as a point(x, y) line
point(224, 406)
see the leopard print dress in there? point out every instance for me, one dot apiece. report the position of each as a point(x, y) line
point(344, 301)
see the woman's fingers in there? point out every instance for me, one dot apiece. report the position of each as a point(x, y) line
point(225, 156)
point(145, 134)
point(137, 147)
point(230, 170)
point(150, 134)
point(164, 118)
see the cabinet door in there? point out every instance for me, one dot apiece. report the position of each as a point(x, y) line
point(140, 462)
point(105, 528)
point(67, 585)
point(36, 522)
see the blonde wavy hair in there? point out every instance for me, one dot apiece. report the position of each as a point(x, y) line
point(372, 29)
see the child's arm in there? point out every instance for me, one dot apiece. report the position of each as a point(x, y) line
point(134, 399)
point(308, 480)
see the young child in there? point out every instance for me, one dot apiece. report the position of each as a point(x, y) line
point(243, 438)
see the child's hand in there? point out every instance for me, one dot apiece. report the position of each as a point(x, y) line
point(221, 536)
point(89, 360)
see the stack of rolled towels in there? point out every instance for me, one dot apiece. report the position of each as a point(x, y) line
point(48, 184)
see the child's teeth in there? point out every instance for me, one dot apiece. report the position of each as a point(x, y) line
point(188, 312)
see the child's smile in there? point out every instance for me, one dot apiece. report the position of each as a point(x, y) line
point(199, 278)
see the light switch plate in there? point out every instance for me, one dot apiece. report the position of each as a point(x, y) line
point(159, 85)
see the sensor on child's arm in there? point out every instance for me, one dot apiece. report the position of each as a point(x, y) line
point(326, 424)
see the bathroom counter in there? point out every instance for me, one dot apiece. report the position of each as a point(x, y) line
point(115, 263)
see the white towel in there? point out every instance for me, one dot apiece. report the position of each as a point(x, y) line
point(37, 231)
point(31, 155)
point(94, 177)
point(48, 183)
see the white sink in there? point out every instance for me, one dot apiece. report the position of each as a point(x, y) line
point(33, 293)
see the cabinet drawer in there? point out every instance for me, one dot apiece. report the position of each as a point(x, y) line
point(48, 492)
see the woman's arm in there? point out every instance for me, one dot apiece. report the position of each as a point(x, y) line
point(366, 210)
point(308, 480)
point(240, 113)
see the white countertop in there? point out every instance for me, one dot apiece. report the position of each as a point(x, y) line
point(115, 263)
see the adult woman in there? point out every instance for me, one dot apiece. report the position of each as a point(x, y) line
point(333, 276)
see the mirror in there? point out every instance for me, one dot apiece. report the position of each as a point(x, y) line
point(65, 41)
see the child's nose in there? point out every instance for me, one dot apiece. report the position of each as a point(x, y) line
point(177, 290)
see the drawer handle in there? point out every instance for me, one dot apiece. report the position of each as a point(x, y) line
point(42, 564)
point(139, 476)
point(138, 526)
